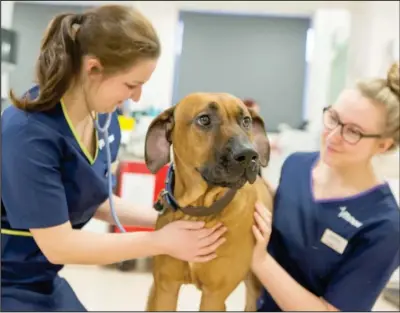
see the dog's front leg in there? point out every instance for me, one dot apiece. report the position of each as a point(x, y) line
point(163, 296)
point(169, 274)
point(213, 301)
point(217, 282)
point(253, 291)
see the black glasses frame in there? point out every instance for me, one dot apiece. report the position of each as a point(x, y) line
point(342, 125)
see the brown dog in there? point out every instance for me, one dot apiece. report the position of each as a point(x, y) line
point(218, 147)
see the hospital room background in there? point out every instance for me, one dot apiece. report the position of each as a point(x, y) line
point(292, 58)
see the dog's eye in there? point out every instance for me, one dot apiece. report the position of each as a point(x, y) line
point(204, 120)
point(246, 122)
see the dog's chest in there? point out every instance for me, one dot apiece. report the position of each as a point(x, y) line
point(194, 277)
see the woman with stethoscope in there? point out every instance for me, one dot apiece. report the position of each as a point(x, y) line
point(54, 173)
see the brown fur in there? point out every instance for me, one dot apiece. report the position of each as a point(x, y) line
point(218, 278)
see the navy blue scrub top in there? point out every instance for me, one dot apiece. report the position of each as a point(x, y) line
point(343, 250)
point(47, 179)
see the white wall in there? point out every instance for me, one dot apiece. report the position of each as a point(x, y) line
point(7, 8)
point(374, 26)
point(164, 16)
point(6, 13)
point(326, 23)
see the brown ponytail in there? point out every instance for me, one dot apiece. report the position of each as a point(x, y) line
point(58, 63)
point(118, 36)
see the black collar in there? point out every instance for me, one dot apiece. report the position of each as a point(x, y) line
point(167, 200)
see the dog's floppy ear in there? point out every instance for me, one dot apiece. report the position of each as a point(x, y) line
point(158, 141)
point(261, 140)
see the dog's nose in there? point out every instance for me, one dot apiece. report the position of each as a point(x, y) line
point(245, 156)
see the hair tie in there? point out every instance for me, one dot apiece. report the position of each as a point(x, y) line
point(78, 20)
point(75, 29)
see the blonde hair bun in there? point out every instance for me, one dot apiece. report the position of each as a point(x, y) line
point(393, 78)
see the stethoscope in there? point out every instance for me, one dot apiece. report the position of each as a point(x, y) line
point(104, 132)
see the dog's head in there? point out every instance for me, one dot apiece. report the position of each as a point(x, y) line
point(214, 134)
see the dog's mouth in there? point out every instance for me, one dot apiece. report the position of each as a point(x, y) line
point(229, 176)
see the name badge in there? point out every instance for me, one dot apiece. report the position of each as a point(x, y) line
point(334, 241)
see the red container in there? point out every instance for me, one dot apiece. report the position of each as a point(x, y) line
point(132, 178)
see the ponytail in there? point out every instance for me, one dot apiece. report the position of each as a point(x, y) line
point(58, 63)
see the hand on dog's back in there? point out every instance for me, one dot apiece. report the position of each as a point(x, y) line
point(190, 241)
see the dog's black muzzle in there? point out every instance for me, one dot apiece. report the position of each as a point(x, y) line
point(235, 164)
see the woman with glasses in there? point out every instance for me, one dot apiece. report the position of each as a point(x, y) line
point(334, 240)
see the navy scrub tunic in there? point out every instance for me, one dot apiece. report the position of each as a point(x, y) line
point(343, 250)
point(47, 179)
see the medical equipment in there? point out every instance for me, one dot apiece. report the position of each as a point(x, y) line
point(104, 132)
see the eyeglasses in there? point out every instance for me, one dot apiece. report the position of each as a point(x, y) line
point(349, 132)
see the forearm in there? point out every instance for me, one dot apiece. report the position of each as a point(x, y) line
point(84, 247)
point(288, 294)
point(127, 212)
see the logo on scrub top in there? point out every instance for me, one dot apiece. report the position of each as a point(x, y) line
point(102, 142)
point(344, 214)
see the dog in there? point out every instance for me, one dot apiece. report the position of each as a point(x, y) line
point(218, 149)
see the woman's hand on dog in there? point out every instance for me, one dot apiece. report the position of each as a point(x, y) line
point(262, 232)
point(190, 241)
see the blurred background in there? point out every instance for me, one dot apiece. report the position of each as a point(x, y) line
point(292, 58)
